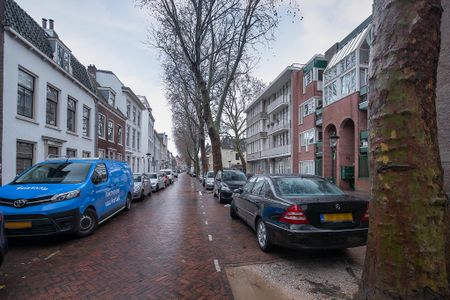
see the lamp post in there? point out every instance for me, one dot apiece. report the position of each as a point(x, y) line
point(149, 156)
point(333, 143)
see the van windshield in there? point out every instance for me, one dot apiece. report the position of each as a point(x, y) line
point(67, 172)
point(210, 175)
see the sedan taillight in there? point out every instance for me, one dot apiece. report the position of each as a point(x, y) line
point(294, 215)
point(365, 218)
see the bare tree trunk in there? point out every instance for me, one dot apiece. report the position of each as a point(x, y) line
point(237, 145)
point(405, 256)
point(201, 141)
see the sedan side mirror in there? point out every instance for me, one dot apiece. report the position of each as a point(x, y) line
point(238, 191)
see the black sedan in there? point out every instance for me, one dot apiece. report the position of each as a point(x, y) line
point(301, 211)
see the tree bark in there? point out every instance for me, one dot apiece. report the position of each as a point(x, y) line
point(406, 252)
point(201, 141)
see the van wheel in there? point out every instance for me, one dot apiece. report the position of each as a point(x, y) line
point(157, 187)
point(128, 203)
point(88, 223)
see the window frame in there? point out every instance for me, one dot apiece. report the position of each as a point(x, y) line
point(72, 112)
point(110, 137)
point(29, 143)
point(101, 135)
point(19, 85)
point(86, 121)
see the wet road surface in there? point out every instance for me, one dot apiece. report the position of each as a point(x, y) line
point(173, 245)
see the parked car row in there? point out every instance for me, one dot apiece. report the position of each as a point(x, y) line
point(72, 195)
point(293, 211)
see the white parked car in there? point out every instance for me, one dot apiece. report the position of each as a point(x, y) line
point(142, 186)
point(209, 180)
point(169, 174)
point(157, 181)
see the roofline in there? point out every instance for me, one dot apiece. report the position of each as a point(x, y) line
point(290, 68)
point(50, 61)
point(129, 91)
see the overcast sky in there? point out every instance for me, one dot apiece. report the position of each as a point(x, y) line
point(112, 35)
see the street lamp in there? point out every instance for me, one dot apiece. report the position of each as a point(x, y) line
point(333, 143)
point(149, 156)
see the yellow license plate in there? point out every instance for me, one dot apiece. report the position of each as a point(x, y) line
point(18, 225)
point(347, 217)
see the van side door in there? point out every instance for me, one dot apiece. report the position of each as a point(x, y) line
point(101, 189)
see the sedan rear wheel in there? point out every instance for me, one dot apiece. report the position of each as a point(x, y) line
point(233, 213)
point(263, 236)
point(220, 197)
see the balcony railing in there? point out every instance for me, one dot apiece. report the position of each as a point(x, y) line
point(277, 104)
point(277, 151)
point(259, 116)
point(278, 127)
point(255, 137)
point(254, 156)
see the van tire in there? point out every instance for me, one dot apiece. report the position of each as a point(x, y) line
point(88, 223)
point(128, 203)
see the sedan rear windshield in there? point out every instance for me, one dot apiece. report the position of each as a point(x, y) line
point(234, 176)
point(153, 176)
point(297, 186)
point(67, 172)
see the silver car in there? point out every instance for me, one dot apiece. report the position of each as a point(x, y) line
point(142, 186)
point(209, 180)
point(157, 181)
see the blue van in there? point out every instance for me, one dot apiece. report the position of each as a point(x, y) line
point(65, 196)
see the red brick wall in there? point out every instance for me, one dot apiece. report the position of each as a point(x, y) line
point(308, 122)
point(104, 143)
point(336, 114)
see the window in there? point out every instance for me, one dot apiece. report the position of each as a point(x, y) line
point(111, 155)
point(53, 151)
point(71, 152)
point(86, 154)
point(307, 167)
point(110, 130)
point(134, 139)
point(348, 62)
point(348, 83)
point(25, 94)
point(101, 153)
point(138, 141)
point(134, 114)
point(119, 135)
point(112, 99)
point(101, 172)
point(258, 185)
point(319, 75)
point(137, 164)
point(128, 110)
point(24, 156)
point(139, 118)
point(308, 107)
point(249, 185)
point(86, 120)
point(363, 77)
point(133, 163)
point(307, 138)
point(330, 93)
point(307, 78)
point(119, 156)
point(71, 114)
point(101, 125)
point(236, 156)
point(128, 135)
point(63, 58)
point(52, 106)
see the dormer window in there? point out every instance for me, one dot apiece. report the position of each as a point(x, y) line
point(63, 58)
point(112, 99)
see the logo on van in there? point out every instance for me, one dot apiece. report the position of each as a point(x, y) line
point(20, 203)
point(39, 188)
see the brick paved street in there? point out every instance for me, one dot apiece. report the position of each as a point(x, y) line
point(164, 248)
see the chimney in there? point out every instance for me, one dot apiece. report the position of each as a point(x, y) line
point(92, 70)
point(51, 22)
point(44, 23)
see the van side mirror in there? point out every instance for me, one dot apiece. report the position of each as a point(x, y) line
point(96, 179)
